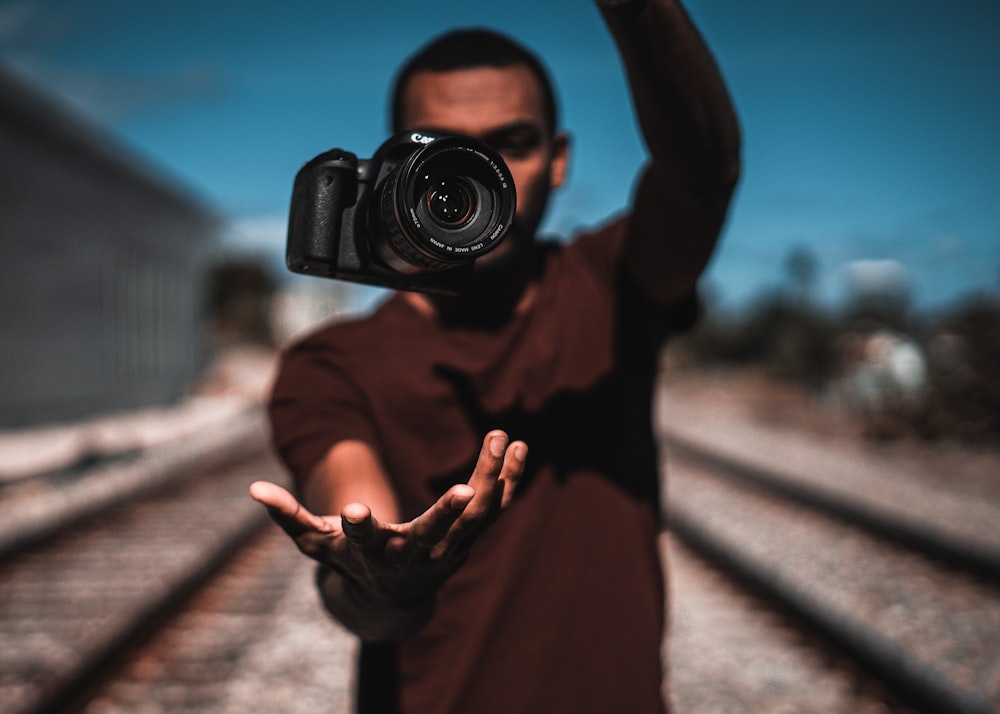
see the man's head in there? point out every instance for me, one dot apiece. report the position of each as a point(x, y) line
point(482, 84)
point(468, 49)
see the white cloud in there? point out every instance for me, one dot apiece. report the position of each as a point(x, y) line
point(256, 233)
point(111, 97)
point(947, 246)
point(30, 30)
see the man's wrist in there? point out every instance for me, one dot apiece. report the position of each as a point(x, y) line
point(371, 618)
point(388, 605)
point(623, 8)
point(620, 3)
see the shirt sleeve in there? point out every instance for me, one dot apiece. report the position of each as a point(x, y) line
point(314, 405)
point(639, 319)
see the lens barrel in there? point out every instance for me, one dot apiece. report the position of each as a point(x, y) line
point(451, 201)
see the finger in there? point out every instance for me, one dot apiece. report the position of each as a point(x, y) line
point(512, 470)
point(429, 528)
point(294, 518)
point(484, 481)
point(359, 524)
point(490, 461)
point(485, 502)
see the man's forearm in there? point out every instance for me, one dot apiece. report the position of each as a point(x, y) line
point(681, 100)
point(691, 131)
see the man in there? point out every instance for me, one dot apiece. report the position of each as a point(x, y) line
point(533, 585)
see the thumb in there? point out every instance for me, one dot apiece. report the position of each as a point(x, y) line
point(274, 497)
point(358, 524)
point(285, 509)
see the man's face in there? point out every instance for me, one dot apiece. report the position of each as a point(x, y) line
point(502, 107)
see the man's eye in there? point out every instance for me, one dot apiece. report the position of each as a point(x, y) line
point(512, 154)
point(517, 148)
point(516, 144)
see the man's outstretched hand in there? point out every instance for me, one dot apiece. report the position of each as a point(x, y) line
point(379, 578)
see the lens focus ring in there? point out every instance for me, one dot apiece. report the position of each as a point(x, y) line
point(448, 202)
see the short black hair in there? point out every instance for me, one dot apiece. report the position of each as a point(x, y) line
point(469, 48)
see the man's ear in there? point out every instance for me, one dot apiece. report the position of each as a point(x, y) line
point(560, 158)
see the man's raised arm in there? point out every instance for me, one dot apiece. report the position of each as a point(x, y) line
point(691, 131)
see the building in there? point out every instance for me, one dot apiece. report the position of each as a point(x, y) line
point(102, 265)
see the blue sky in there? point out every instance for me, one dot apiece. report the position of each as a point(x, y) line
point(871, 126)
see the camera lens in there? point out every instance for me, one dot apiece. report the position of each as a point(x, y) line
point(451, 202)
point(445, 204)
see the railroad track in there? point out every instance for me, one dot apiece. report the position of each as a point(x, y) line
point(92, 566)
point(111, 615)
point(912, 601)
point(780, 656)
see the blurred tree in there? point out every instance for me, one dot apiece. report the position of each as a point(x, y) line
point(802, 269)
point(240, 296)
point(964, 374)
point(879, 290)
point(784, 337)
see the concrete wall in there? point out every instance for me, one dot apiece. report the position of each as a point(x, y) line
point(102, 265)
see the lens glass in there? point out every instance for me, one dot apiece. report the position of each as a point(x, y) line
point(451, 202)
point(448, 202)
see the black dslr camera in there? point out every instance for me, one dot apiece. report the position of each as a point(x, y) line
point(413, 217)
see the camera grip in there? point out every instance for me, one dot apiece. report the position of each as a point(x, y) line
point(324, 189)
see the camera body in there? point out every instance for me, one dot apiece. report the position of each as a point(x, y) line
point(413, 217)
